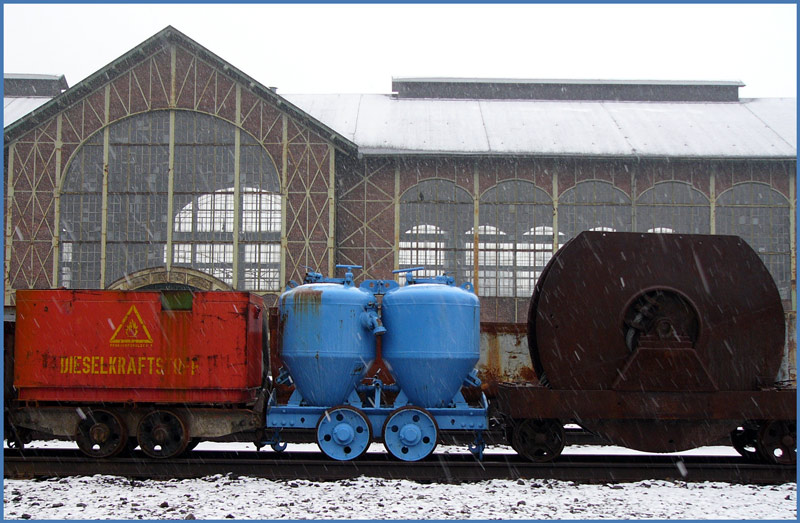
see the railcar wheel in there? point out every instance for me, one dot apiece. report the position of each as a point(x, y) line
point(343, 433)
point(777, 442)
point(101, 434)
point(410, 434)
point(539, 440)
point(193, 443)
point(17, 438)
point(745, 441)
point(162, 434)
point(14, 444)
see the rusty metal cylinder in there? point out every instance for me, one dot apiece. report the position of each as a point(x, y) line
point(656, 312)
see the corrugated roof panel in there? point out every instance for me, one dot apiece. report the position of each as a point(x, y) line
point(558, 128)
point(780, 114)
point(15, 108)
point(388, 125)
point(696, 130)
point(420, 125)
point(337, 111)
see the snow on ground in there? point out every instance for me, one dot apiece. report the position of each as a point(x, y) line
point(229, 496)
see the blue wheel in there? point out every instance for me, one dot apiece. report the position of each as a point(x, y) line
point(410, 434)
point(343, 433)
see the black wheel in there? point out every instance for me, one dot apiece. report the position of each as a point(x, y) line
point(16, 437)
point(744, 440)
point(162, 434)
point(101, 434)
point(538, 440)
point(777, 442)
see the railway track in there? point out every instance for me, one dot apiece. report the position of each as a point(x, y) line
point(445, 468)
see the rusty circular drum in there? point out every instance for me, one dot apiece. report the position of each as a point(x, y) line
point(656, 312)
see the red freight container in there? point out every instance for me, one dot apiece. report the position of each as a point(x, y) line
point(129, 346)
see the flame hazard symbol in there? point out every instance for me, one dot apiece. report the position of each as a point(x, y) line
point(132, 330)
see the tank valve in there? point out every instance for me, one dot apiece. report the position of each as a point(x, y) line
point(372, 323)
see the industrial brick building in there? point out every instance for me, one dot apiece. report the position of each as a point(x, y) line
point(171, 168)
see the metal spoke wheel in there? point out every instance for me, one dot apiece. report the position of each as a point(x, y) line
point(539, 440)
point(777, 442)
point(410, 434)
point(162, 434)
point(101, 434)
point(744, 440)
point(343, 433)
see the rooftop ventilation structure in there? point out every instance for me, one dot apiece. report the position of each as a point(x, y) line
point(566, 90)
point(33, 85)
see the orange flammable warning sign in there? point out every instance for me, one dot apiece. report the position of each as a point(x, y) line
point(132, 330)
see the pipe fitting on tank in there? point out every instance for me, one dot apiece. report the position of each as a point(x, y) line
point(472, 379)
point(371, 322)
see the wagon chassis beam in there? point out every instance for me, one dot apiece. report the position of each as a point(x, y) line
point(528, 402)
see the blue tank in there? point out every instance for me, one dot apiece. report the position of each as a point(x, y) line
point(328, 339)
point(432, 341)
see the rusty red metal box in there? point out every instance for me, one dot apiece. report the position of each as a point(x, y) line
point(130, 346)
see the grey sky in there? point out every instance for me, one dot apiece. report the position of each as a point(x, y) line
point(358, 48)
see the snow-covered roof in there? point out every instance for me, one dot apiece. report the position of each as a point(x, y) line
point(386, 124)
point(33, 76)
point(15, 107)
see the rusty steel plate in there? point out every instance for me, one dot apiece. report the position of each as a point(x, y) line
point(581, 311)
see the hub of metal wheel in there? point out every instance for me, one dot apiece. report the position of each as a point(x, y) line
point(539, 440)
point(162, 434)
point(101, 434)
point(343, 433)
point(660, 315)
point(410, 434)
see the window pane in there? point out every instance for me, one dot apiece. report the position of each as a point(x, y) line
point(513, 215)
point(593, 205)
point(760, 215)
point(434, 215)
point(673, 207)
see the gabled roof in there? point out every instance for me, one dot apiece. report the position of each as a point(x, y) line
point(391, 125)
point(120, 65)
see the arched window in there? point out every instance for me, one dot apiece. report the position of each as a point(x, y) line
point(673, 207)
point(433, 216)
point(593, 206)
point(760, 215)
point(512, 248)
point(205, 213)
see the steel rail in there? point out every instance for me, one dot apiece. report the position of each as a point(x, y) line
point(445, 468)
